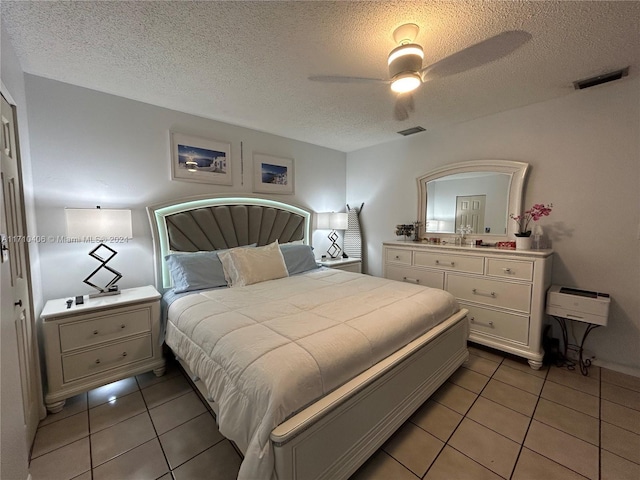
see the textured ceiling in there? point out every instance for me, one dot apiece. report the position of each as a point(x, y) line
point(248, 63)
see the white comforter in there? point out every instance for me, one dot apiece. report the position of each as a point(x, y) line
point(267, 350)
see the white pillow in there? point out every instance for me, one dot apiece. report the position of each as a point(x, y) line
point(245, 266)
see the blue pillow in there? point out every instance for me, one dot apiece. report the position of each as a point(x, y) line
point(195, 271)
point(298, 258)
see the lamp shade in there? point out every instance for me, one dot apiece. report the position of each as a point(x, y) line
point(331, 221)
point(98, 223)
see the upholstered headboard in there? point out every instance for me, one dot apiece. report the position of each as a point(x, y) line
point(214, 223)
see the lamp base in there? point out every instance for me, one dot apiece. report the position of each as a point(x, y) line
point(113, 290)
point(98, 275)
point(334, 250)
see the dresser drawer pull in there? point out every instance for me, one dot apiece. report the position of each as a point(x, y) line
point(506, 270)
point(97, 361)
point(397, 257)
point(484, 294)
point(412, 280)
point(451, 264)
point(96, 332)
point(124, 354)
point(473, 320)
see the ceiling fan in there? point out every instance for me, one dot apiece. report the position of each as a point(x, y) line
point(406, 72)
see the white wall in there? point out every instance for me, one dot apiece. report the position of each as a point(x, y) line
point(90, 148)
point(13, 435)
point(584, 154)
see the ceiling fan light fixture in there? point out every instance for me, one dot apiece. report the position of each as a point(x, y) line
point(412, 49)
point(405, 82)
point(405, 62)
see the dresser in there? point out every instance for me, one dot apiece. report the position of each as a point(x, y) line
point(504, 290)
point(100, 341)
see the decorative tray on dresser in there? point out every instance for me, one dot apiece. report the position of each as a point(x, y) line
point(503, 289)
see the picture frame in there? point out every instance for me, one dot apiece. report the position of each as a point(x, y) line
point(273, 174)
point(200, 160)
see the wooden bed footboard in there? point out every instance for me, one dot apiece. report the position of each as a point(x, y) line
point(333, 437)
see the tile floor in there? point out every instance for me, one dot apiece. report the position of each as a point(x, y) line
point(495, 418)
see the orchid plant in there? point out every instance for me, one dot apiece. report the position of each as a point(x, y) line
point(536, 212)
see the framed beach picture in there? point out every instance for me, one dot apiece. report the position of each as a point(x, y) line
point(272, 174)
point(195, 159)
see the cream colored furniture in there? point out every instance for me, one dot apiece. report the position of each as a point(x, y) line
point(334, 435)
point(504, 290)
point(101, 341)
point(346, 264)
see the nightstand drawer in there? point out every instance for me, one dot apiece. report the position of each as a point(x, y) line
point(103, 328)
point(399, 256)
point(498, 324)
point(449, 262)
point(80, 365)
point(496, 293)
point(350, 267)
point(510, 269)
point(426, 278)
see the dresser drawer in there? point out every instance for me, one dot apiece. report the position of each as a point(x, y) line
point(498, 324)
point(510, 269)
point(395, 255)
point(491, 292)
point(80, 365)
point(414, 275)
point(103, 328)
point(449, 262)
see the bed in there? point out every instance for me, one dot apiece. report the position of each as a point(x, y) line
point(309, 370)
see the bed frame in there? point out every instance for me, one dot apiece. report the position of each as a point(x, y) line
point(333, 437)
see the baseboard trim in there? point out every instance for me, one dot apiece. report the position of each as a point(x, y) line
point(634, 372)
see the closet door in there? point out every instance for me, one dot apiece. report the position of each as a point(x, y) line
point(17, 307)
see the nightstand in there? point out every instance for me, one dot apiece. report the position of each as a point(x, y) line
point(103, 340)
point(347, 264)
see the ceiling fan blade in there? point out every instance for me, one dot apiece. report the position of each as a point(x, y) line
point(340, 79)
point(404, 105)
point(478, 54)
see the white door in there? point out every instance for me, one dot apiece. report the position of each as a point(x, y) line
point(470, 211)
point(16, 288)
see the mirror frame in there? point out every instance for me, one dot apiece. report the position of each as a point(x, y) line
point(516, 170)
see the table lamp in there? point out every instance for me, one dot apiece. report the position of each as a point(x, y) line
point(332, 221)
point(100, 225)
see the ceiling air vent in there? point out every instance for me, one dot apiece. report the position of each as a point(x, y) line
point(600, 79)
point(411, 131)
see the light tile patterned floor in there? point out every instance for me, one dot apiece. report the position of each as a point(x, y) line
point(495, 418)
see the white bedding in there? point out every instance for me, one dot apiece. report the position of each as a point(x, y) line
point(267, 350)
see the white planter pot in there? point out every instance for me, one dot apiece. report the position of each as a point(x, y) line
point(523, 243)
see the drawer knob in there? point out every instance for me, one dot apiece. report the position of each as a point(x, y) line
point(122, 326)
point(507, 270)
point(97, 361)
point(124, 354)
point(491, 324)
point(397, 257)
point(95, 332)
point(472, 319)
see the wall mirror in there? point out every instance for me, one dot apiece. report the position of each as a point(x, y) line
point(478, 195)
